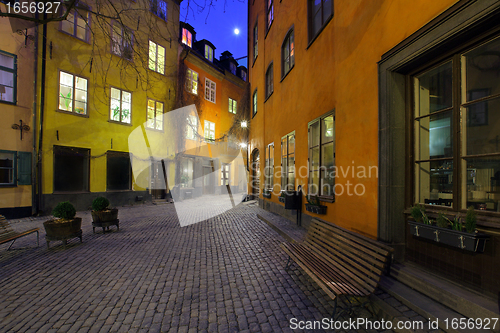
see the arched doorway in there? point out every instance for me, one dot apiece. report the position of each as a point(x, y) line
point(255, 168)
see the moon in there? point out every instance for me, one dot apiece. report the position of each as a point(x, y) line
point(236, 31)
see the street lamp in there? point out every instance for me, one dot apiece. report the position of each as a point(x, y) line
point(244, 124)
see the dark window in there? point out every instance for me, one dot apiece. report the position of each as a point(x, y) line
point(254, 99)
point(320, 11)
point(270, 13)
point(288, 54)
point(159, 8)
point(71, 169)
point(8, 77)
point(269, 167)
point(122, 41)
point(269, 81)
point(255, 42)
point(7, 167)
point(77, 24)
point(118, 171)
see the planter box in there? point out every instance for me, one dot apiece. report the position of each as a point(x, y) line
point(316, 209)
point(463, 240)
point(266, 195)
point(104, 215)
point(281, 199)
point(62, 231)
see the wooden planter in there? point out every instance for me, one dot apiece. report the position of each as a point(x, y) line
point(281, 199)
point(321, 210)
point(104, 215)
point(474, 242)
point(266, 195)
point(63, 231)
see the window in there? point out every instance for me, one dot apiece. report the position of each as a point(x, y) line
point(322, 156)
point(243, 75)
point(209, 131)
point(255, 42)
point(192, 81)
point(232, 68)
point(320, 11)
point(72, 93)
point(7, 167)
point(77, 24)
point(463, 169)
point(159, 8)
point(8, 77)
point(187, 172)
point(155, 115)
point(192, 127)
point(118, 171)
point(288, 162)
point(187, 37)
point(156, 57)
point(270, 13)
point(269, 81)
point(121, 103)
point(209, 53)
point(209, 90)
point(224, 174)
point(269, 167)
point(288, 54)
point(232, 106)
point(71, 169)
point(122, 40)
point(254, 101)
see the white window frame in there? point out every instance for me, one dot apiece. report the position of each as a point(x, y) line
point(68, 25)
point(232, 106)
point(192, 127)
point(157, 120)
point(157, 64)
point(191, 81)
point(73, 93)
point(121, 106)
point(12, 173)
point(209, 131)
point(13, 83)
point(122, 42)
point(225, 174)
point(209, 53)
point(210, 90)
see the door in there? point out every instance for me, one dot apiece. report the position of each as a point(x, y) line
point(157, 182)
point(255, 173)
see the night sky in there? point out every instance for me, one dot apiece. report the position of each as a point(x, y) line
point(218, 24)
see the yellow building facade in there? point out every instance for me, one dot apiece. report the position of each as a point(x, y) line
point(336, 90)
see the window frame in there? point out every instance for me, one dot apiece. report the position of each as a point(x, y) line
point(156, 115)
point(233, 106)
point(269, 167)
point(285, 175)
point(124, 30)
point(269, 14)
point(87, 21)
point(14, 168)
point(14, 79)
point(313, 36)
point(85, 114)
point(210, 131)
point(208, 86)
point(190, 80)
point(189, 37)
point(209, 53)
point(254, 103)
point(194, 135)
point(255, 40)
point(321, 167)
point(269, 81)
point(121, 107)
point(288, 53)
point(225, 174)
point(156, 60)
point(153, 3)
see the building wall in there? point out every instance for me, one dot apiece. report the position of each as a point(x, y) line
point(337, 71)
point(95, 131)
point(15, 201)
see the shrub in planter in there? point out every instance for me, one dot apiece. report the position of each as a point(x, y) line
point(100, 203)
point(64, 210)
point(313, 205)
point(66, 226)
point(100, 211)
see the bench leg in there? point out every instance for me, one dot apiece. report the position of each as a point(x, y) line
point(288, 263)
point(335, 307)
point(37, 239)
point(11, 244)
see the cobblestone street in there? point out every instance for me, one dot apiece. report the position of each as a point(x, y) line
point(225, 274)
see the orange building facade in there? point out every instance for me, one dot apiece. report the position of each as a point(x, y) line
point(373, 107)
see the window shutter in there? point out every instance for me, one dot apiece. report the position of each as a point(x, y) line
point(24, 168)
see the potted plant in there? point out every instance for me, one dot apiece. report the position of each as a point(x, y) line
point(67, 226)
point(313, 205)
point(281, 198)
point(445, 231)
point(102, 215)
point(266, 193)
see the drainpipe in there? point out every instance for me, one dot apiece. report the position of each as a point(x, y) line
point(42, 107)
point(34, 201)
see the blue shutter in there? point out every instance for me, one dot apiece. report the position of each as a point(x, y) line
point(24, 168)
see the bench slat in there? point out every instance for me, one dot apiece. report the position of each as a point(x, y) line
point(7, 234)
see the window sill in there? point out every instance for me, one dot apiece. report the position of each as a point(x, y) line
point(154, 129)
point(268, 96)
point(118, 122)
point(210, 101)
point(319, 32)
point(70, 192)
point(7, 102)
point(7, 185)
point(326, 199)
point(73, 113)
point(286, 74)
point(70, 35)
point(117, 191)
point(253, 116)
point(122, 57)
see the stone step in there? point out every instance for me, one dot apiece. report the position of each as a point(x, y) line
point(466, 302)
point(426, 308)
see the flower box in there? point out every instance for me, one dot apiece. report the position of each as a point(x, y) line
point(266, 194)
point(321, 210)
point(281, 199)
point(474, 242)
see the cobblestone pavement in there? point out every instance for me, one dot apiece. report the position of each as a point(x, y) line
point(225, 274)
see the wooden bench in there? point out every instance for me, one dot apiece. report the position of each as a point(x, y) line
point(340, 261)
point(7, 234)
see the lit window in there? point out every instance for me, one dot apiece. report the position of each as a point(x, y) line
point(72, 93)
point(232, 106)
point(121, 103)
point(192, 81)
point(187, 38)
point(159, 8)
point(270, 12)
point(254, 99)
point(320, 13)
point(288, 54)
point(122, 41)
point(8, 76)
point(322, 156)
point(77, 24)
point(224, 174)
point(288, 162)
point(155, 115)
point(209, 53)
point(209, 131)
point(210, 90)
point(269, 167)
point(156, 57)
point(192, 127)
point(269, 81)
